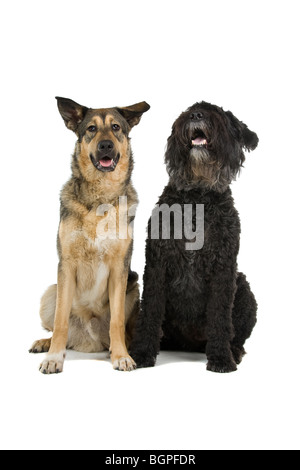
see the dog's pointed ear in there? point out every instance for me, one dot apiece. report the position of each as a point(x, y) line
point(248, 139)
point(134, 113)
point(71, 112)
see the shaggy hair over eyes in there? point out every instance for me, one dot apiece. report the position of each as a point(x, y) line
point(216, 164)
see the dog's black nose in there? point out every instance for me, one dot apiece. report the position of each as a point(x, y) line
point(196, 116)
point(105, 146)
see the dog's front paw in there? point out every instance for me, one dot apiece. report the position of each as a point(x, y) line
point(124, 364)
point(222, 366)
point(53, 364)
point(144, 361)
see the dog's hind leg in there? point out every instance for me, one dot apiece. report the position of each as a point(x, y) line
point(244, 317)
point(47, 314)
point(48, 306)
point(83, 336)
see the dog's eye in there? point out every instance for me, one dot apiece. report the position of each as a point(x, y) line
point(116, 127)
point(92, 129)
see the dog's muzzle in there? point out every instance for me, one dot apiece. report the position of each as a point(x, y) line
point(106, 159)
point(197, 128)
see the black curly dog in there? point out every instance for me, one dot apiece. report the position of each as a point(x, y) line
point(197, 300)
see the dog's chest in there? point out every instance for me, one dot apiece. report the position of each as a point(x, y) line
point(93, 237)
point(97, 247)
point(92, 285)
point(93, 268)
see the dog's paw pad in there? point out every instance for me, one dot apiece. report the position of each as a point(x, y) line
point(41, 346)
point(124, 364)
point(53, 364)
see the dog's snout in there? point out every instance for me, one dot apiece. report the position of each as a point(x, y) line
point(196, 116)
point(105, 146)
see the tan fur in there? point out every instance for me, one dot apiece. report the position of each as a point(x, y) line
point(93, 306)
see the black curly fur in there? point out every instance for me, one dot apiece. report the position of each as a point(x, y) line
point(197, 300)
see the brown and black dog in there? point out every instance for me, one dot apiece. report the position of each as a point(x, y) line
point(94, 304)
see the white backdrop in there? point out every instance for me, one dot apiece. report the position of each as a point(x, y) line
point(241, 55)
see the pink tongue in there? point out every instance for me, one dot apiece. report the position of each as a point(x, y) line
point(199, 141)
point(106, 163)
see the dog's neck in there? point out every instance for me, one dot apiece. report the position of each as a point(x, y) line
point(104, 188)
point(202, 185)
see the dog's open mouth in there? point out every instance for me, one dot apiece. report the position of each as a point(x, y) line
point(199, 139)
point(106, 164)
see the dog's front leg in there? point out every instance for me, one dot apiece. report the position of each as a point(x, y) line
point(53, 364)
point(148, 332)
point(220, 330)
point(117, 298)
